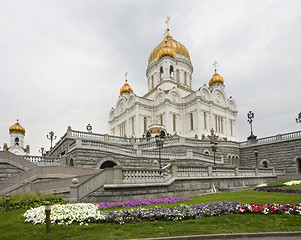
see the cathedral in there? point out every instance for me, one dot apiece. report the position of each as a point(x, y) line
point(171, 106)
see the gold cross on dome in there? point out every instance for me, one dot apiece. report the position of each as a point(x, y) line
point(167, 22)
point(167, 28)
point(215, 63)
point(126, 76)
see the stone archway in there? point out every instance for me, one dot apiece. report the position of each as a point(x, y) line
point(108, 164)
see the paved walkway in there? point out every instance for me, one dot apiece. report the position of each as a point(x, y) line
point(240, 236)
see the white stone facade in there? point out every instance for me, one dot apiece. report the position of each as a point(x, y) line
point(171, 105)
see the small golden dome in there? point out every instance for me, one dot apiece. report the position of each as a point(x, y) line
point(17, 128)
point(169, 47)
point(216, 78)
point(166, 51)
point(126, 88)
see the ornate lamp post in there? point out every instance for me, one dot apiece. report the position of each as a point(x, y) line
point(89, 128)
point(42, 151)
point(298, 119)
point(213, 144)
point(51, 137)
point(256, 156)
point(159, 143)
point(250, 116)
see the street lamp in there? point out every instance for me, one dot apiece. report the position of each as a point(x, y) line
point(256, 156)
point(89, 128)
point(42, 151)
point(213, 144)
point(51, 137)
point(298, 119)
point(159, 143)
point(250, 116)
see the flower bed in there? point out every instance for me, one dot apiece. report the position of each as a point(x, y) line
point(84, 213)
point(141, 202)
point(268, 209)
point(277, 189)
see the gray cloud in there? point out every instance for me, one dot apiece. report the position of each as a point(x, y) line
point(63, 62)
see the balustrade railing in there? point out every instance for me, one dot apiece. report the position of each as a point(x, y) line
point(246, 172)
point(192, 171)
point(43, 160)
point(265, 172)
point(222, 171)
point(135, 175)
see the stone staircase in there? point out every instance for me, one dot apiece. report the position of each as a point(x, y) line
point(29, 177)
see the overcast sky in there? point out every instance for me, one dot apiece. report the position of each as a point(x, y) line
point(62, 63)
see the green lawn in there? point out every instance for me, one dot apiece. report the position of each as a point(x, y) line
point(13, 227)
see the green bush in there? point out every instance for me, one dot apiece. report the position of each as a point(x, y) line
point(29, 200)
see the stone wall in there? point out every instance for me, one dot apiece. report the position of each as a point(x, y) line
point(178, 187)
point(279, 154)
point(8, 170)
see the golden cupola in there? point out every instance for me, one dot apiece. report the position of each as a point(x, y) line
point(216, 78)
point(168, 47)
point(17, 128)
point(126, 87)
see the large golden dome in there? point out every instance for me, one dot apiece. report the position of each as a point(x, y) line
point(126, 88)
point(170, 47)
point(17, 128)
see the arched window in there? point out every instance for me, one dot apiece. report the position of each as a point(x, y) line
point(161, 120)
point(174, 122)
point(185, 78)
point(161, 73)
point(145, 123)
point(71, 163)
point(17, 141)
point(171, 74)
point(205, 120)
point(191, 121)
point(152, 79)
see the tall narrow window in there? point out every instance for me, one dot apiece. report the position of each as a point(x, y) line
point(171, 71)
point(191, 121)
point(145, 123)
point(205, 120)
point(222, 125)
point(161, 120)
point(216, 127)
point(185, 78)
point(152, 82)
point(161, 73)
point(174, 122)
point(133, 126)
point(231, 127)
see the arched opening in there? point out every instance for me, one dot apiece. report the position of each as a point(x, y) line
point(107, 164)
point(229, 160)
point(17, 141)
point(298, 162)
point(71, 163)
point(265, 164)
point(148, 134)
point(171, 74)
point(162, 133)
point(161, 73)
point(191, 121)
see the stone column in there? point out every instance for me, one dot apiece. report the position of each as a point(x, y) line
point(209, 170)
point(174, 167)
point(256, 171)
point(236, 171)
point(74, 190)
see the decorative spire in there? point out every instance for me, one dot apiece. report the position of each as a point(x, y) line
point(167, 26)
point(216, 78)
point(126, 77)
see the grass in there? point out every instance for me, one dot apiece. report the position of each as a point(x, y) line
point(13, 227)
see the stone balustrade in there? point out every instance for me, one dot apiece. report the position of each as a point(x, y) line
point(43, 160)
point(275, 138)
